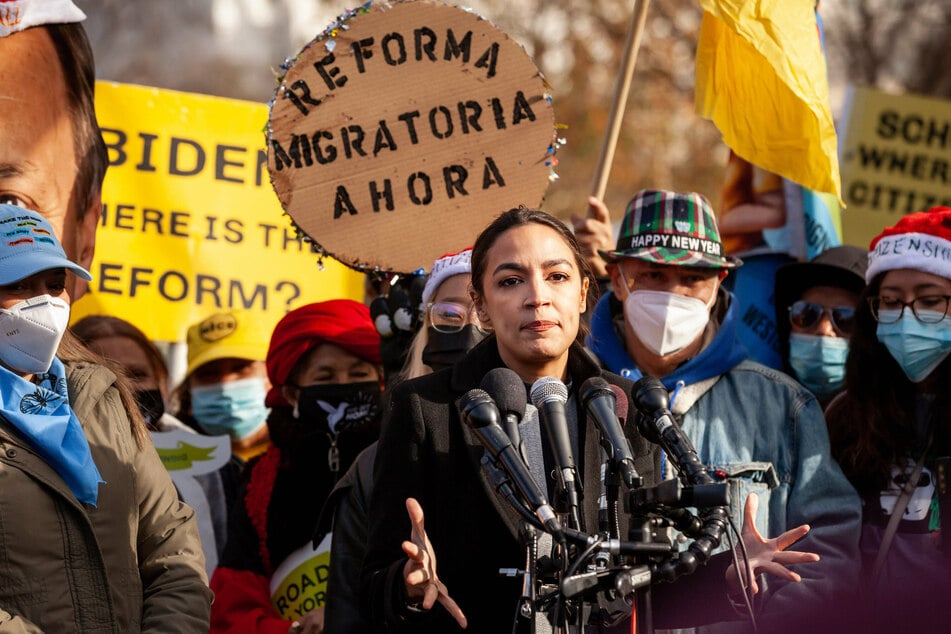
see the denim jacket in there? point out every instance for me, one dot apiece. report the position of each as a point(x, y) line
point(766, 434)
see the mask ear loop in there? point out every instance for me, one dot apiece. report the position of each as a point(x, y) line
point(627, 286)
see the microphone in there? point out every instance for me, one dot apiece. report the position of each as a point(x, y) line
point(604, 408)
point(549, 396)
point(656, 423)
point(482, 416)
point(507, 389)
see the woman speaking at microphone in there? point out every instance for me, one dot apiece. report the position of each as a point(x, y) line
point(530, 287)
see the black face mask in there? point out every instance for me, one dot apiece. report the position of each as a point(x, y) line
point(339, 407)
point(151, 406)
point(325, 410)
point(445, 349)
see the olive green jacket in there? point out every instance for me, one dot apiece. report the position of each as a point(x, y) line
point(132, 563)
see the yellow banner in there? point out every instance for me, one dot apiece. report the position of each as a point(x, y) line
point(190, 223)
point(894, 160)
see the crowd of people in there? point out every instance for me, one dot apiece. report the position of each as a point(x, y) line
point(360, 455)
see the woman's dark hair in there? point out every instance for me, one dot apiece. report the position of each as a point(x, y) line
point(91, 328)
point(72, 350)
point(872, 424)
point(518, 217)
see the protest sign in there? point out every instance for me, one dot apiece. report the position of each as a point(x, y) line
point(402, 130)
point(300, 583)
point(894, 160)
point(190, 225)
point(185, 455)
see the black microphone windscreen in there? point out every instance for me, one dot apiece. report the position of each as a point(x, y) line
point(650, 395)
point(547, 389)
point(621, 404)
point(507, 389)
point(592, 385)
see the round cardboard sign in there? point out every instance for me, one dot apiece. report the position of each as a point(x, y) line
point(399, 133)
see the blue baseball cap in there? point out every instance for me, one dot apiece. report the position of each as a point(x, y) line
point(28, 246)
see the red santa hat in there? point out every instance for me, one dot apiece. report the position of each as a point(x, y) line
point(920, 241)
point(17, 15)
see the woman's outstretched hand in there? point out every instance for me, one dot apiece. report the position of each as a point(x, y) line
point(419, 573)
point(766, 556)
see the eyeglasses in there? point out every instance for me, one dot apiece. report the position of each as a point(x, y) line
point(807, 315)
point(928, 309)
point(449, 316)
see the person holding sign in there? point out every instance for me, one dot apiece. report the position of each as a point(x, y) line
point(324, 366)
point(82, 486)
point(891, 427)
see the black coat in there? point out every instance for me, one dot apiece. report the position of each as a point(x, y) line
point(428, 453)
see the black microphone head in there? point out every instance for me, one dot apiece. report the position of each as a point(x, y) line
point(594, 387)
point(508, 390)
point(620, 402)
point(650, 395)
point(477, 408)
point(548, 389)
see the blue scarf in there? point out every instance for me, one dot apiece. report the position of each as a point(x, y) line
point(723, 353)
point(41, 413)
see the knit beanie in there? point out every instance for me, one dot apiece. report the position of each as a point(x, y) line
point(446, 266)
point(342, 322)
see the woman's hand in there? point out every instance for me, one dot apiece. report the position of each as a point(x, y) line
point(766, 556)
point(419, 573)
point(310, 623)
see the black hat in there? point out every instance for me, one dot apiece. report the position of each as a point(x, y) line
point(842, 267)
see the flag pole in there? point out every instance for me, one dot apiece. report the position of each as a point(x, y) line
point(634, 33)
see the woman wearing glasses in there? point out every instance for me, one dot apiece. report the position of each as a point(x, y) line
point(815, 311)
point(891, 428)
point(451, 328)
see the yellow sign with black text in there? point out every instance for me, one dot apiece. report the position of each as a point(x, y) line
point(190, 223)
point(895, 160)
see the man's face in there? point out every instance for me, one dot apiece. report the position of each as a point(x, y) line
point(38, 167)
point(638, 275)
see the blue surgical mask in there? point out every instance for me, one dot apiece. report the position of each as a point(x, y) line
point(917, 347)
point(235, 408)
point(819, 362)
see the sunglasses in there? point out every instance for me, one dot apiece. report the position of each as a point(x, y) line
point(807, 315)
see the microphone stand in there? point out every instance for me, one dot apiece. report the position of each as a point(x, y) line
point(524, 622)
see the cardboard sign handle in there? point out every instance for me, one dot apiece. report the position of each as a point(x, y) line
point(634, 34)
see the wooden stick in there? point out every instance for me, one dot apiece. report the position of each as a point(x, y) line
point(634, 33)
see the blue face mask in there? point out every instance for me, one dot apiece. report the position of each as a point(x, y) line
point(918, 348)
point(819, 362)
point(235, 408)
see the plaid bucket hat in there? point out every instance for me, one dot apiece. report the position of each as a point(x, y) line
point(670, 228)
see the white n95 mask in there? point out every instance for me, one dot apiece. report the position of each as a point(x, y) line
point(30, 332)
point(666, 322)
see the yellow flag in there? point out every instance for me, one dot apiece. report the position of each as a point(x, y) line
point(761, 78)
